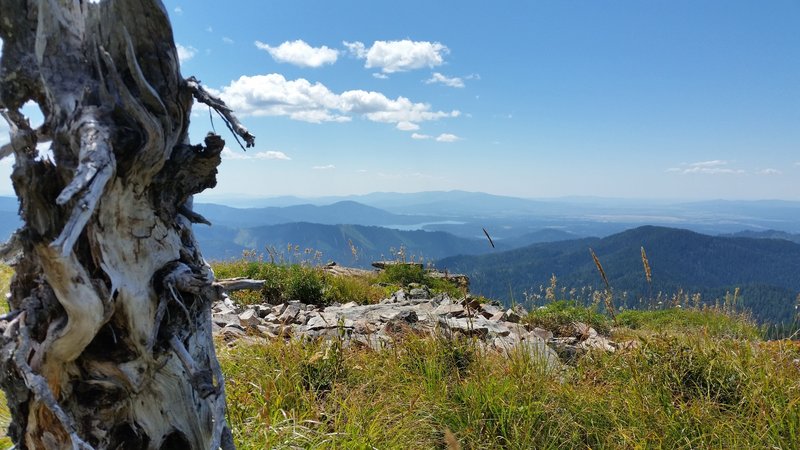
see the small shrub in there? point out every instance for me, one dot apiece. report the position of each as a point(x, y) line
point(559, 316)
point(402, 274)
point(442, 286)
point(305, 284)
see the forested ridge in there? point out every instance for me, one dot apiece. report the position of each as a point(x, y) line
point(764, 270)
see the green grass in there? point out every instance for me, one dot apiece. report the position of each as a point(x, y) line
point(705, 320)
point(671, 392)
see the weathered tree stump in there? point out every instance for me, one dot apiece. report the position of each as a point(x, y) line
point(108, 343)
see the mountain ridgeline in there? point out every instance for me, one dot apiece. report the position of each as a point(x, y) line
point(352, 245)
point(765, 270)
point(534, 239)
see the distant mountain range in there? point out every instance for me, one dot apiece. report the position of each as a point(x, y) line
point(586, 216)
point(344, 212)
point(766, 270)
point(768, 234)
point(352, 245)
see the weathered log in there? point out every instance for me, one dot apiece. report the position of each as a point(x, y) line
point(108, 343)
point(241, 284)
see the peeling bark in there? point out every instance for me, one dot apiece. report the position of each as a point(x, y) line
point(108, 343)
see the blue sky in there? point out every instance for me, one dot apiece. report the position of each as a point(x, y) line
point(656, 99)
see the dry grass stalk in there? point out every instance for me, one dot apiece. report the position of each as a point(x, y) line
point(609, 299)
point(600, 268)
point(450, 440)
point(647, 273)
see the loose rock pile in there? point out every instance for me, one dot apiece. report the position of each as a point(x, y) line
point(413, 310)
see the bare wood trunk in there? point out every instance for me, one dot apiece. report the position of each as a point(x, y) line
point(108, 344)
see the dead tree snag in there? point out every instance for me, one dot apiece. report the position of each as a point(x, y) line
point(108, 343)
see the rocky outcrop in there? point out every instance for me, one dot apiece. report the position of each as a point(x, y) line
point(379, 326)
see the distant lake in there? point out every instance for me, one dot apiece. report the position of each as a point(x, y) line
point(421, 226)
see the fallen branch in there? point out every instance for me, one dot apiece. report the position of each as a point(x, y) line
point(241, 284)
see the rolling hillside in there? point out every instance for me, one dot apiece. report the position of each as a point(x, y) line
point(371, 243)
point(764, 269)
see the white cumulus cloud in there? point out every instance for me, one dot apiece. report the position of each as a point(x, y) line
point(447, 137)
point(272, 154)
point(178, 10)
point(769, 171)
point(356, 49)
point(447, 81)
point(712, 167)
point(229, 154)
point(407, 126)
point(420, 136)
point(274, 95)
point(185, 53)
point(325, 167)
point(300, 53)
point(399, 56)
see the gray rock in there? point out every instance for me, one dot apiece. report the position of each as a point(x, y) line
point(279, 309)
point(408, 316)
point(449, 310)
point(490, 308)
point(326, 320)
point(372, 341)
point(302, 318)
point(542, 333)
point(228, 303)
point(419, 293)
point(512, 316)
point(538, 349)
point(580, 330)
point(271, 318)
point(289, 314)
point(598, 342)
point(364, 327)
point(232, 332)
point(472, 303)
point(249, 318)
point(520, 310)
point(498, 317)
point(263, 310)
point(477, 326)
point(224, 320)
